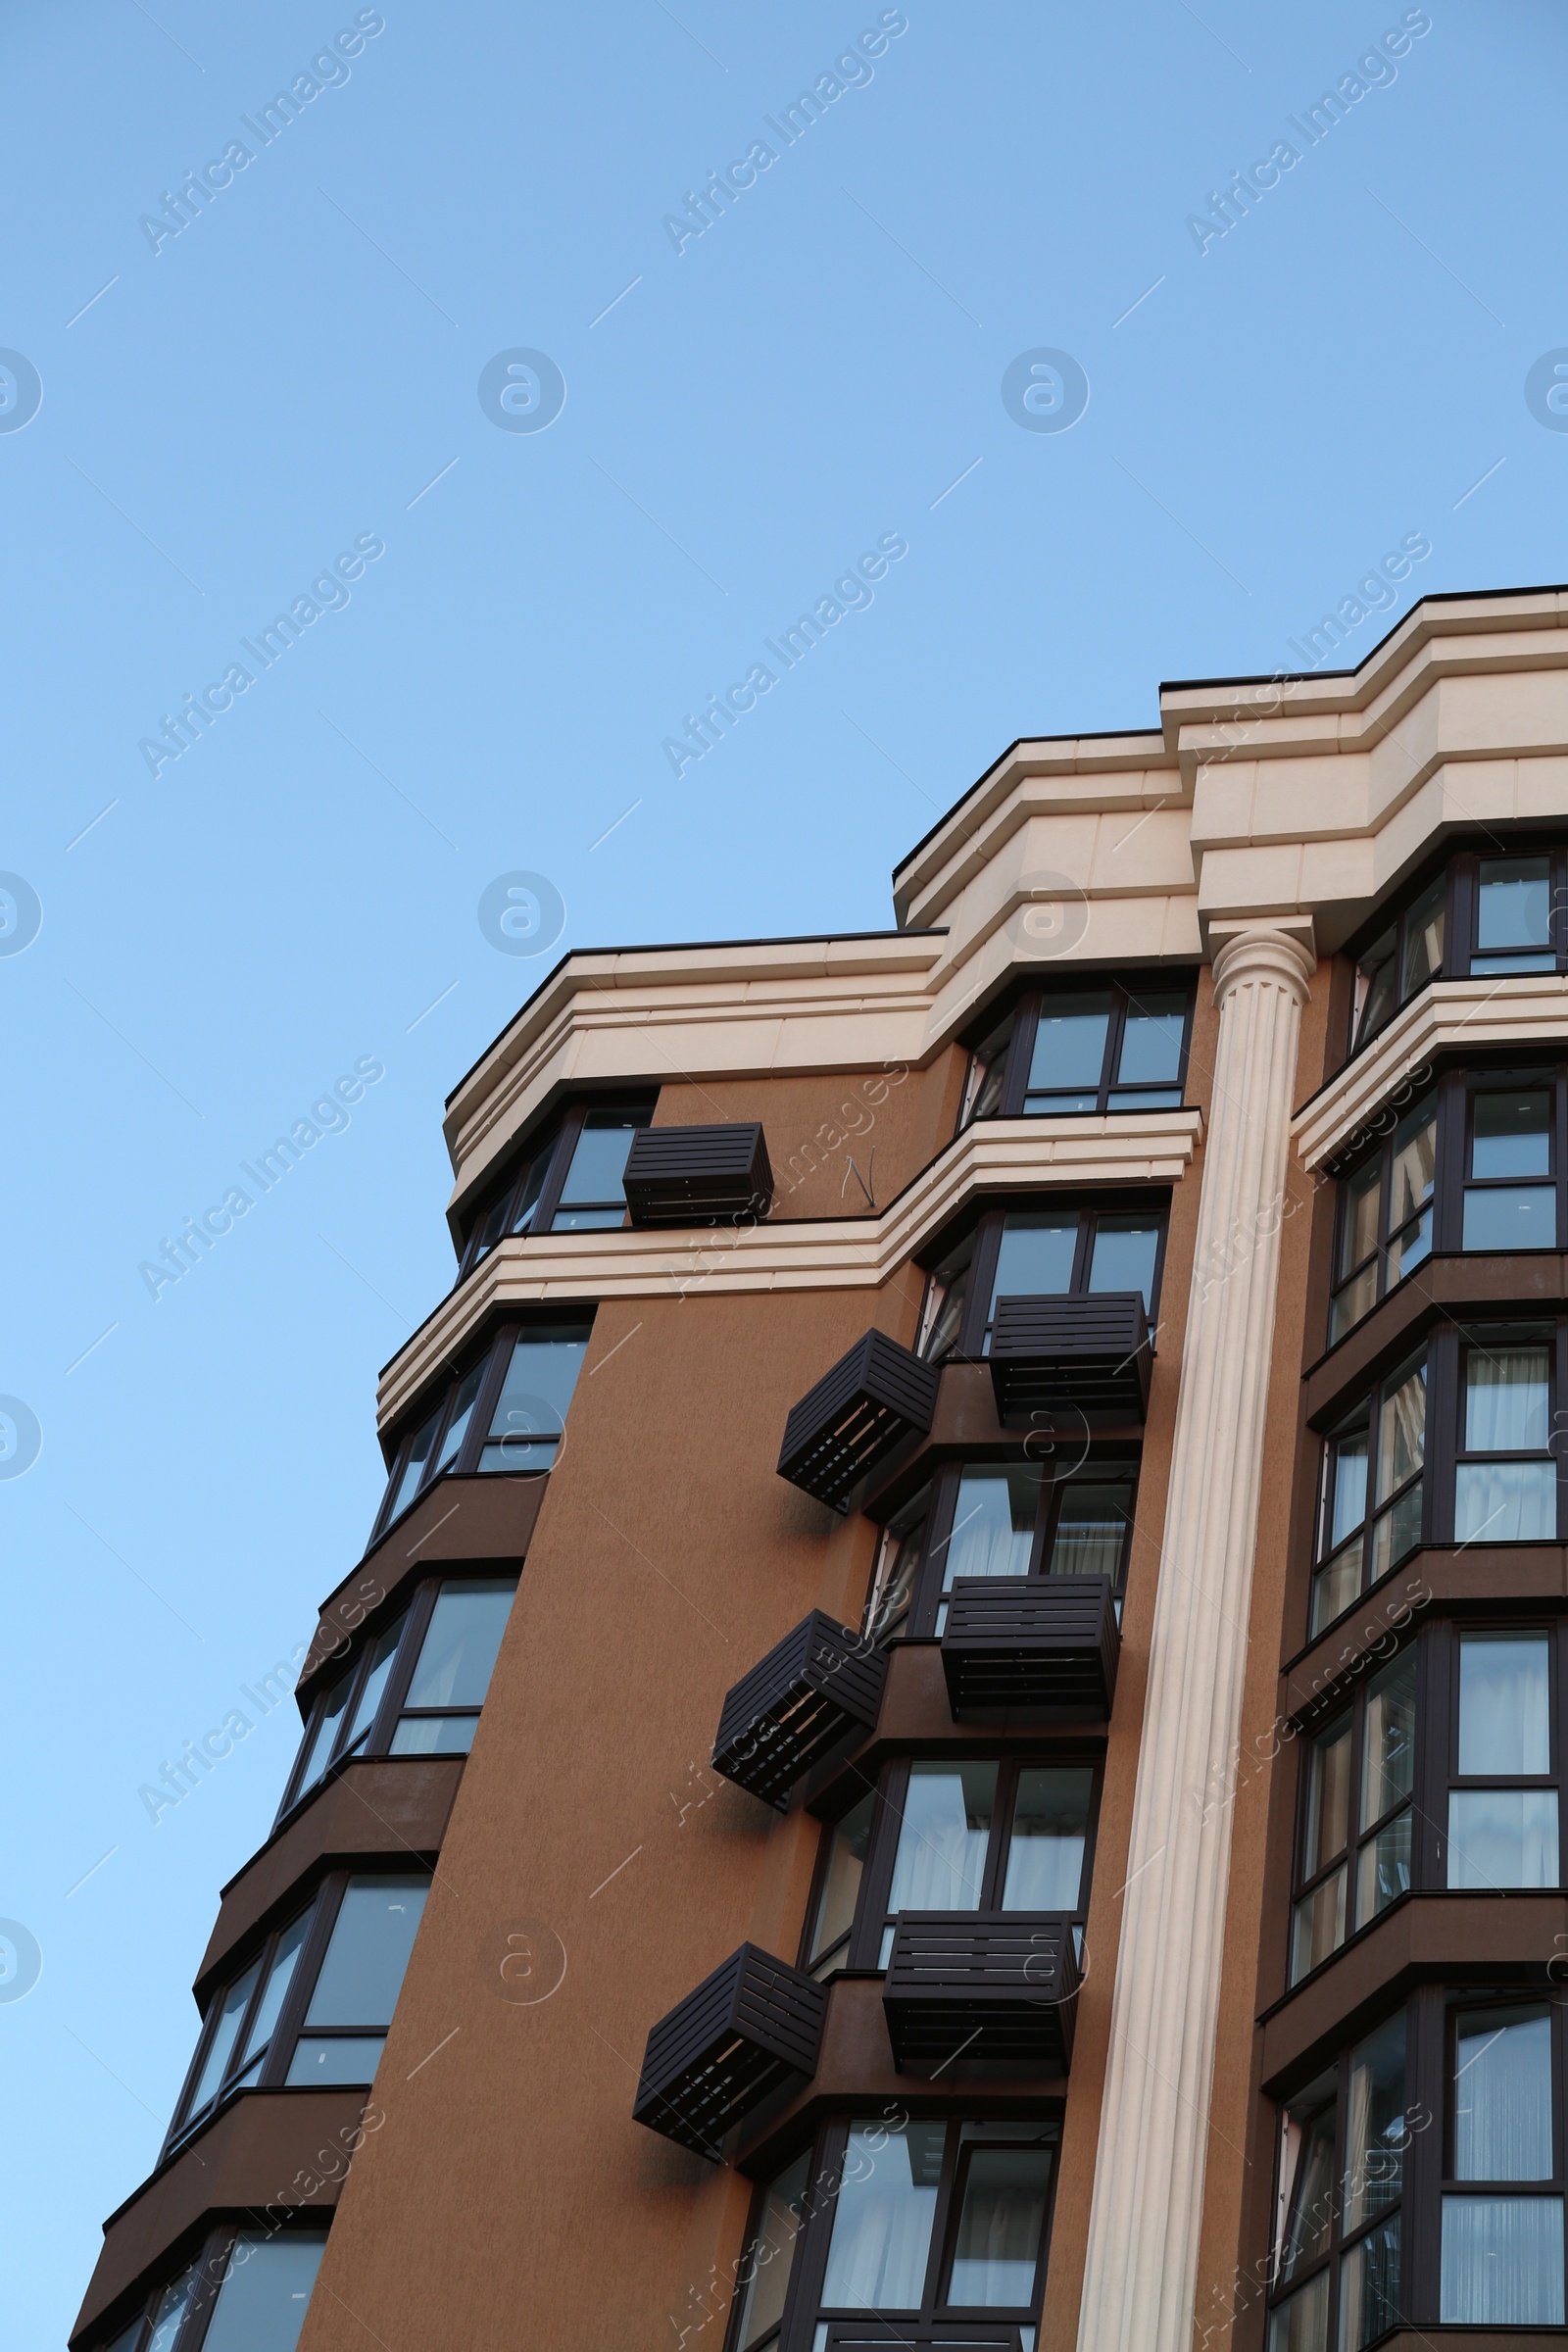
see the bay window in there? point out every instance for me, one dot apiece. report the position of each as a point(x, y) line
point(1482, 916)
point(1503, 1795)
point(1056, 1249)
point(1075, 1050)
point(1068, 1513)
point(247, 2292)
point(1337, 2273)
point(506, 1412)
point(1505, 1479)
point(1370, 1504)
point(1354, 1840)
point(1502, 2241)
point(569, 1182)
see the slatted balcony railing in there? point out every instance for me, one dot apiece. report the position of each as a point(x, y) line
point(1088, 1352)
point(1037, 1643)
point(817, 1687)
point(872, 1400)
point(726, 2047)
point(981, 1986)
point(711, 1175)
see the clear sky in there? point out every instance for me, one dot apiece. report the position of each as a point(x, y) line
point(294, 375)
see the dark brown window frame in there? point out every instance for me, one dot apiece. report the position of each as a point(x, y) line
point(555, 1145)
point(971, 1343)
point(1431, 2014)
point(1018, 1054)
point(209, 2263)
point(803, 2304)
point(1462, 873)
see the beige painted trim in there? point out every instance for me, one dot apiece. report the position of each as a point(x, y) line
point(1464, 1014)
point(1153, 1146)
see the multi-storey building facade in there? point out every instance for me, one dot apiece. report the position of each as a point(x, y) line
point(951, 1728)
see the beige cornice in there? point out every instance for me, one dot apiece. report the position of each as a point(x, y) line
point(1451, 1016)
point(810, 1254)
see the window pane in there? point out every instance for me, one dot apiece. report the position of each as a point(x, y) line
point(321, 1748)
point(902, 1550)
point(1383, 1868)
point(1387, 1758)
point(1503, 1837)
point(1328, 1796)
point(1336, 1584)
point(1506, 1502)
point(1375, 2130)
point(371, 1938)
point(1408, 1249)
point(1358, 1230)
point(1516, 903)
point(278, 1981)
point(458, 1653)
point(993, 1522)
point(1505, 1704)
point(321, 2061)
point(987, 1072)
point(1355, 1300)
point(847, 1840)
point(598, 1165)
point(1302, 2323)
point(531, 1410)
point(943, 1837)
point(1401, 1428)
point(1309, 2221)
point(491, 1226)
point(461, 1414)
point(1125, 1251)
point(414, 1469)
point(765, 2273)
point(170, 2311)
point(1397, 1532)
point(1348, 1484)
point(433, 1734)
point(1036, 1258)
point(230, 2016)
point(1369, 2286)
point(949, 1296)
point(1046, 1854)
point(882, 2219)
point(1423, 939)
point(376, 1680)
point(1511, 1132)
point(1376, 986)
point(1512, 1216)
point(1318, 1926)
point(266, 2289)
point(1070, 1048)
point(1092, 1526)
point(1502, 2260)
point(1000, 2222)
point(533, 1184)
point(1503, 2094)
point(1506, 1399)
point(1415, 1160)
point(1152, 1041)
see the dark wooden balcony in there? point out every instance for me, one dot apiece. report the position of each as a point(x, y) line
point(997, 1987)
point(1088, 1352)
point(818, 1685)
point(915, 2335)
point(872, 1400)
point(1042, 1642)
point(726, 2047)
point(698, 1175)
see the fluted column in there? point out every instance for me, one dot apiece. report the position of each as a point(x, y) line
point(1140, 2274)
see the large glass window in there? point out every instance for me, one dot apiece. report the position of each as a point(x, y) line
point(1483, 917)
point(1510, 1195)
point(975, 1835)
point(1084, 1050)
point(358, 1981)
point(1337, 2253)
point(1370, 1511)
point(1503, 2243)
point(1068, 1512)
point(1054, 1250)
point(569, 1182)
point(1505, 1482)
point(764, 2278)
point(1502, 1801)
point(506, 1412)
point(591, 1193)
point(1354, 1845)
point(262, 2289)
point(901, 1554)
point(842, 1865)
point(1513, 917)
point(1385, 1218)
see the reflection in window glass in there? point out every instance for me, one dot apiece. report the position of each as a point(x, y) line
point(899, 1556)
point(1125, 1251)
point(1035, 1259)
point(376, 1680)
point(1069, 1053)
point(320, 1753)
point(371, 1938)
point(1369, 2286)
point(1301, 2325)
point(1310, 2157)
point(458, 1654)
point(847, 1841)
point(591, 1195)
point(943, 1837)
point(1503, 1837)
point(278, 1977)
point(1046, 1852)
point(1377, 989)
point(414, 1469)
point(881, 2242)
point(765, 2273)
point(266, 2292)
point(1151, 1042)
point(1508, 1401)
point(170, 2311)
point(999, 2223)
point(946, 1294)
point(530, 1412)
point(1513, 930)
point(992, 1522)
point(1501, 2261)
point(1092, 1523)
point(1503, 2094)
point(1505, 1704)
point(235, 2001)
point(1377, 2133)
point(1422, 956)
point(462, 1412)
point(987, 1072)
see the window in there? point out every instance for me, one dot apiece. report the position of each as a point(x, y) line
point(1514, 916)
point(1506, 1481)
point(1511, 1144)
point(1483, 917)
point(1369, 1514)
point(1503, 1802)
point(415, 1689)
point(315, 2005)
point(842, 1862)
point(1068, 1513)
point(1503, 2242)
point(925, 2221)
point(976, 1834)
point(570, 1183)
point(1353, 1853)
point(986, 1079)
point(507, 1412)
point(1343, 2143)
point(1083, 1050)
point(1036, 1253)
point(1385, 1218)
point(248, 2293)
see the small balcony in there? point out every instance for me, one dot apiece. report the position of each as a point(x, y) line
point(999, 1987)
point(698, 1175)
point(817, 1687)
point(1088, 1352)
point(872, 1400)
point(728, 2046)
point(1043, 1644)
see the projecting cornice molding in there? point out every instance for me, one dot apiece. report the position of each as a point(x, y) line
point(995, 1156)
point(1451, 1016)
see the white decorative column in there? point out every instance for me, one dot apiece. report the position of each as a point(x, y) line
point(1139, 2278)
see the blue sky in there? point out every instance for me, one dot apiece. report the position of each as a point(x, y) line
point(296, 375)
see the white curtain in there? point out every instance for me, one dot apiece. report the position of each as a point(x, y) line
point(1502, 2096)
point(882, 2220)
point(1502, 2261)
point(943, 1837)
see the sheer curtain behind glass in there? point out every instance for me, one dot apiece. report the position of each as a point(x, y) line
point(882, 2219)
point(999, 2222)
point(943, 1837)
point(1503, 2256)
point(1506, 1411)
